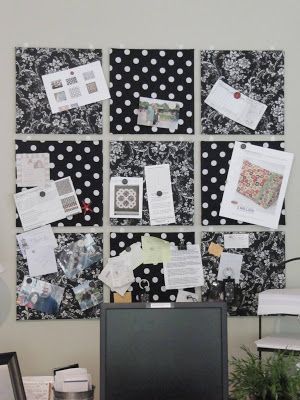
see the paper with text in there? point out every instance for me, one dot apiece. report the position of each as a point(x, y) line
point(155, 250)
point(185, 269)
point(160, 195)
point(42, 236)
point(230, 266)
point(235, 105)
point(184, 296)
point(33, 169)
point(38, 387)
point(41, 261)
point(75, 87)
point(236, 240)
point(134, 255)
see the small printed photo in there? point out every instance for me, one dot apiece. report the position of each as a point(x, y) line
point(91, 87)
point(40, 295)
point(78, 256)
point(87, 75)
point(126, 197)
point(88, 295)
point(56, 84)
point(75, 92)
point(60, 96)
point(159, 113)
point(71, 81)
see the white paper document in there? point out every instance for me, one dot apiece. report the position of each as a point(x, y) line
point(117, 274)
point(236, 240)
point(38, 387)
point(33, 169)
point(256, 184)
point(235, 105)
point(41, 206)
point(73, 380)
point(134, 255)
point(184, 296)
point(160, 195)
point(75, 87)
point(126, 197)
point(230, 266)
point(41, 261)
point(42, 236)
point(185, 269)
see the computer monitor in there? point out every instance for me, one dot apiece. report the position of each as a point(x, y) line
point(166, 351)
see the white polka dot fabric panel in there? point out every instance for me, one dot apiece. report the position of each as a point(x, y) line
point(153, 274)
point(161, 74)
point(129, 159)
point(33, 112)
point(257, 74)
point(83, 162)
point(260, 269)
point(69, 307)
point(215, 159)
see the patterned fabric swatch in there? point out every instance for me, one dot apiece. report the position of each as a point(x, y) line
point(257, 74)
point(259, 184)
point(157, 74)
point(33, 113)
point(260, 269)
point(82, 161)
point(69, 307)
point(129, 159)
point(215, 159)
point(153, 274)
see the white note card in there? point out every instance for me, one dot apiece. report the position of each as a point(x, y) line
point(75, 87)
point(160, 195)
point(42, 236)
point(33, 169)
point(236, 241)
point(41, 261)
point(41, 206)
point(235, 105)
point(230, 266)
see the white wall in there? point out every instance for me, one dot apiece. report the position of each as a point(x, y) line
point(199, 24)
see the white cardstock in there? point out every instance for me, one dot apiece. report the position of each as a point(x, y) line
point(33, 169)
point(230, 266)
point(236, 240)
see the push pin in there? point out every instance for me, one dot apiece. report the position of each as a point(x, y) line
point(243, 146)
point(124, 181)
point(128, 249)
point(28, 280)
point(237, 95)
point(42, 194)
point(159, 193)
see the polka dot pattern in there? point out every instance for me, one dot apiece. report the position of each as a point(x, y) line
point(161, 74)
point(215, 158)
point(82, 161)
point(153, 273)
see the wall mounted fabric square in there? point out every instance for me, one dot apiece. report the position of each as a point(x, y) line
point(156, 74)
point(151, 274)
point(256, 74)
point(33, 112)
point(260, 268)
point(215, 159)
point(82, 161)
point(70, 307)
point(128, 159)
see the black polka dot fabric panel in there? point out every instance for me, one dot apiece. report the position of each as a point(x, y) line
point(153, 274)
point(261, 269)
point(69, 308)
point(33, 113)
point(157, 74)
point(83, 162)
point(129, 159)
point(257, 74)
point(215, 159)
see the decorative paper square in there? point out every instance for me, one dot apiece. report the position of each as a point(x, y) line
point(129, 159)
point(82, 161)
point(256, 74)
point(215, 158)
point(149, 275)
point(74, 303)
point(33, 112)
point(260, 269)
point(157, 74)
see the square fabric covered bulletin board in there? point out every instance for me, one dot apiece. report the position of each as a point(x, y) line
point(33, 112)
point(82, 161)
point(167, 75)
point(128, 159)
point(75, 277)
point(256, 74)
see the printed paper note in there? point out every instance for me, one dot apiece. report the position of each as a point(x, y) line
point(33, 169)
point(230, 266)
point(42, 236)
point(155, 250)
point(236, 241)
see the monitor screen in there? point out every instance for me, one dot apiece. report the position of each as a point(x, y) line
point(172, 351)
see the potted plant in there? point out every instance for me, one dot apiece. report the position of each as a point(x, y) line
point(274, 378)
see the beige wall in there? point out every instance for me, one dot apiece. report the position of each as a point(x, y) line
point(199, 24)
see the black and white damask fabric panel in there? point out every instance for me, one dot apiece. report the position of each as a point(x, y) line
point(152, 275)
point(260, 269)
point(256, 74)
point(33, 112)
point(215, 159)
point(156, 74)
point(128, 159)
point(83, 162)
point(85, 266)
